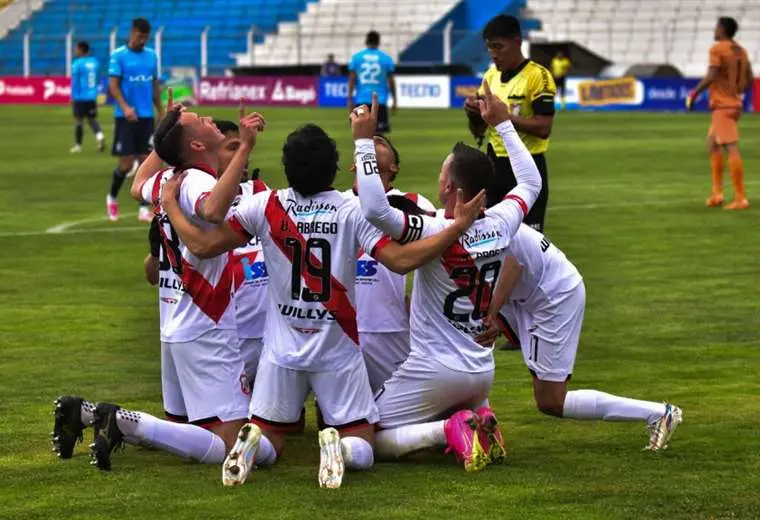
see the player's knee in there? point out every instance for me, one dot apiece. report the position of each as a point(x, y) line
point(549, 405)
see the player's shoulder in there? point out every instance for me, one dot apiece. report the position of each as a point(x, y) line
point(539, 77)
point(491, 72)
point(535, 69)
point(119, 52)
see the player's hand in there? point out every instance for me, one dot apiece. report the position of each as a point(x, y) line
point(471, 105)
point(492, 109)
point(364, 120)
point(488, 337)
point(465, 213)
point(250, 126)
point(170, 189)
point(130, 114)
point(690, 101)
point(394, 108)
point(351, 106)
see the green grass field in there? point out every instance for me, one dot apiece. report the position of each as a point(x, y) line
point(673, 314)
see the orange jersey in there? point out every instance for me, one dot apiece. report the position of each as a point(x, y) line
point(732, 63)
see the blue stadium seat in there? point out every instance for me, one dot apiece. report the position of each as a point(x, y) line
point(183, 23)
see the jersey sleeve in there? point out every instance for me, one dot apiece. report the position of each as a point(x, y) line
point(150, 191)
point(714, 56)
point(542, 91)
point(486, 79)
point(248, 217)
point(425, 204)
point(389, 65)
point(114, 66)
point(352, 63)
point(196, 187)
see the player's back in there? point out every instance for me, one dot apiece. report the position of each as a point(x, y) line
point(451, 296)
point(310, 244)
point(732, 79)
point(85, 74)
point(372, 67)
point(194, 293)
point(546, 271)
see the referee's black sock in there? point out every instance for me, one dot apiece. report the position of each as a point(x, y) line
point(78, 133)
point(117, 180)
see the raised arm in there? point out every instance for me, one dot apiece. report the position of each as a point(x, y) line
point(202, 243)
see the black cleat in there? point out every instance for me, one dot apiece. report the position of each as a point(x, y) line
point(68, 427)
point(107, 435)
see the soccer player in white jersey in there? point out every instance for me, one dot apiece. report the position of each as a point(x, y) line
point(201, 363)
point(310, 235)
point(546, 301)
point(384, 328)
point(447, 369)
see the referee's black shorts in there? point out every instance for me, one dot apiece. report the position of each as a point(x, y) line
point(505, 181)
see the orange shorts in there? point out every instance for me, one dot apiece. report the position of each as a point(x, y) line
point(724, 128)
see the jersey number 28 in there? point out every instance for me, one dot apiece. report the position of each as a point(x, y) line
point(470, 280)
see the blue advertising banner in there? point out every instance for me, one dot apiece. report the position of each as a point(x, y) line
point(461, 87)
point(333, 91)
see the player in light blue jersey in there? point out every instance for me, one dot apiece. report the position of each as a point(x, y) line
point(85, 76)
point(134, 84)
point(371, 71)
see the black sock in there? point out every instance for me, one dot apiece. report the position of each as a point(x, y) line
point(117, 181)
point(78, 133)
point(94, 125)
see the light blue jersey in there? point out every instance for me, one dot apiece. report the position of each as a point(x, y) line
point(137, 70)
point(372, 68)
point(85, 75)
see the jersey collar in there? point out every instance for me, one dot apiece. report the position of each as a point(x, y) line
point(202, 167)
point(507, 75)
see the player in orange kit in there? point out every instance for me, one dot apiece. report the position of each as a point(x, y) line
point(728, 77)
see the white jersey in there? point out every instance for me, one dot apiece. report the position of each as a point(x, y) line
point(250, 278)
point(194, 294)
point(376, 283)
point(546, 271)
point(310, 244)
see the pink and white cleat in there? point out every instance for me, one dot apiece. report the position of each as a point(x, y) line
point(461, 431)
point(489, 436)
point(112, 208)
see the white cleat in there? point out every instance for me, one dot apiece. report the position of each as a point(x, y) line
point(242, 457)
point(331, 465)
point(661, 431)
point(75, 149)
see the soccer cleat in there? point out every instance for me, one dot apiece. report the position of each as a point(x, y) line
point(737, 204)
point(242, 457)
point(331, 465)
point(144, 214)
point(661, 430)
point(112, 208)
point(68, 427)
point(101, 144)
point(714, 200)
point(461, 431)
point(489, 436)
point(107, 435)
point(75, 149)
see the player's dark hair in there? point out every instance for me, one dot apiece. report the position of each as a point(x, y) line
point(373, 39)
point(168, 139)
point(389, 144)
point(471, 170)
point(141, 25)
point(730, 26)
point(406, 205)
point(83, 46)
point(502, 26)
point(226, 127)
point(310, 158)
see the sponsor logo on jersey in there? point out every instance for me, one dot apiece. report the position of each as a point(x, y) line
point(291, 311)
point(140, 78)
point(174, 284)
point(170, 301)
point(366, 268)
point(253, 271)
point(308, 210)
point(481, 238)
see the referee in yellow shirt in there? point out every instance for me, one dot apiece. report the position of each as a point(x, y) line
point(529, 90)
point(560, 65)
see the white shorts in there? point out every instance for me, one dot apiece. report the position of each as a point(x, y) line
point(549, 339)
point(344, 395)
point(383, 353)
point(250, 350)
point(423, 390)
point(201, 379)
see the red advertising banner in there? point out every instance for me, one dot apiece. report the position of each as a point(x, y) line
point(756, 96)
point(54, 90)
point(285, 91)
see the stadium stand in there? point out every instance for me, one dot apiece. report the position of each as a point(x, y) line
point(647, 31)
point(183, 21)
point(339, 27)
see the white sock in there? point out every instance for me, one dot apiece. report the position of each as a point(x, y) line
point(266, 454)
point(85, 413)
point(396, 442)
point(185, 440)
point(592, 404)
point(357, 453)
point(99, 136)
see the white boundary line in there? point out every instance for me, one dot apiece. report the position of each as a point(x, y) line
point(62, 228)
